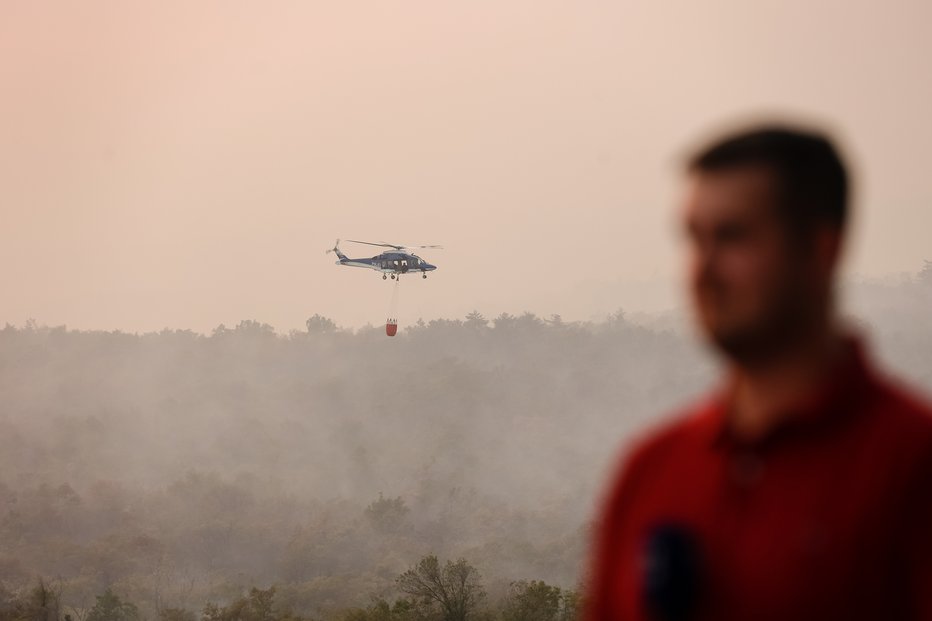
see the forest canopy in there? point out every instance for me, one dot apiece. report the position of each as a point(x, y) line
point(176, 475)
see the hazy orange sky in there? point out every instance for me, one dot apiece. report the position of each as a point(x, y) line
point(185, 164)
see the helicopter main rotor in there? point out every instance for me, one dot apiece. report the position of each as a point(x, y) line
point(395, 246)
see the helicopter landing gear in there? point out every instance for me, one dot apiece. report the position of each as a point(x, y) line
point(423, 274)
point(384, 277)
point(393, 277)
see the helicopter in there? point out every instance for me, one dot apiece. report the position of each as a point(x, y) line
point(395, 262)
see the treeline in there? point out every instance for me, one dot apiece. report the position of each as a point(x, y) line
point(325, 557)
point(429, 591)
point(179, 468)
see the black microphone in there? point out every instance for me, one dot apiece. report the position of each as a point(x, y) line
point(672, 573)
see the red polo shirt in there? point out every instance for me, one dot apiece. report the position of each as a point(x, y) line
point(829, 516)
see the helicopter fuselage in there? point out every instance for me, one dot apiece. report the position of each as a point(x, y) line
point(394, 263)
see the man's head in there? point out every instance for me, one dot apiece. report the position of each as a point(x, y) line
point(765, 214)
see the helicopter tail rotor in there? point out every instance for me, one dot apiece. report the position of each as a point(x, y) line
point(336, 249)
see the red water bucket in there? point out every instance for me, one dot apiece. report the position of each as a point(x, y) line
point(391, 327)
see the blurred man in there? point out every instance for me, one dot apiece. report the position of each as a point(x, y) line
point(803, 488)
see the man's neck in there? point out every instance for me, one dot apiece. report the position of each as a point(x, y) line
point(763, 392)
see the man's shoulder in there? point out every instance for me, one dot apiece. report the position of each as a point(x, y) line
point(660, 448)
point(687, 428)
point(901, 412)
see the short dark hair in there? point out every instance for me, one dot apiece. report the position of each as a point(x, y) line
point(811, 176)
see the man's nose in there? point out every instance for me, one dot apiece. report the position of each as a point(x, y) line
point(703, 252)
point(705, 257)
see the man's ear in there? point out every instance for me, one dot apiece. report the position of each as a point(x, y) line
point(827, 246)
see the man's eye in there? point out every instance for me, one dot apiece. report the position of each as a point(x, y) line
point(732, 234)
point(691, 232)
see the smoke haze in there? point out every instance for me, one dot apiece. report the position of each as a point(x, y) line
point(176, 165)
point(179, 469)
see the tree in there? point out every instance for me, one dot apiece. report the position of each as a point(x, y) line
point(257, 606)
point(251, 327)
point(538, 601)
point(318, 324)
point(617, 320)
point(387, 515)
point(532, 601)
point(176, 614)
point(42, 603)
point(505, 321)
point(476, 320)
point(571, 605)
point(110, 607)
point(454, 587)
point(409, 610)
point(380, 610)
point(925, 274)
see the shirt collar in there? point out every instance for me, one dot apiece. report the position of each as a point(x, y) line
point(845, 386)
